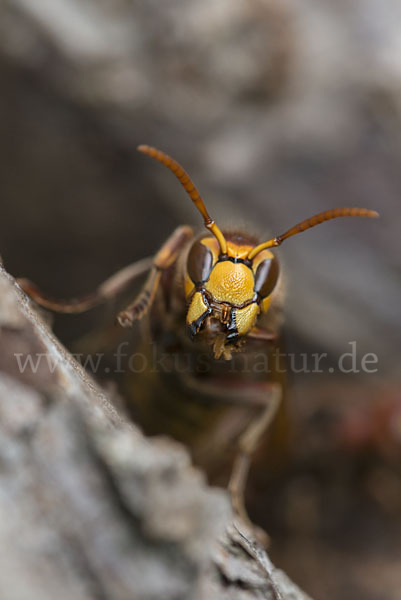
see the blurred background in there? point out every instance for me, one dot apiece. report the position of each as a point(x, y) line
point(278, 110)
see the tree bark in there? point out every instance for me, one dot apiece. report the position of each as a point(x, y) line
point(89, 507)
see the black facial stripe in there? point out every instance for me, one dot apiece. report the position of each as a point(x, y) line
point(232, 338)
point(208, 298)
point(233, 323)
point(234, 259)
point(232, 335)
point(193, 328)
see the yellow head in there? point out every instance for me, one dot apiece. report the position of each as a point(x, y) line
point(230, 278)
point(226, 293)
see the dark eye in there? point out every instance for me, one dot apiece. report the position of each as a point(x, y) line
point(199, 262)
point(266, 276)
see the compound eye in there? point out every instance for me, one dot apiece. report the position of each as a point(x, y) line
point(199, 262)
point(266, 276)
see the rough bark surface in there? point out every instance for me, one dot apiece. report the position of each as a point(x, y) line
point(89, 507)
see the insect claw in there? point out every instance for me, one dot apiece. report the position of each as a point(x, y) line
point(232, 338)
point(124, 319)
point(191, 330)
point(218, 346)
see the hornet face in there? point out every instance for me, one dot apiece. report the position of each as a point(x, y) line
point(230, 278)
point(227, 292)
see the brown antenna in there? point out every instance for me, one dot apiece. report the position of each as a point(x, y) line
point(190, 188)
point(334, 213)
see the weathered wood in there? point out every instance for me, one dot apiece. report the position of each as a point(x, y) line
point(90, 508)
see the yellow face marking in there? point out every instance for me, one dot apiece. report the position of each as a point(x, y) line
point(233, 250)
point(237, 251)
point(231, 282)
point(213, 246)
point(196, 309)
point(245, 317)
point(266, 303)
point(188, 285)
point(264, 255)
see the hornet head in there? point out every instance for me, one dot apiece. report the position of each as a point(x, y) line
point(230, 278)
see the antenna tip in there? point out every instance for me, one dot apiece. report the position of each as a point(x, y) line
point(363, 212)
